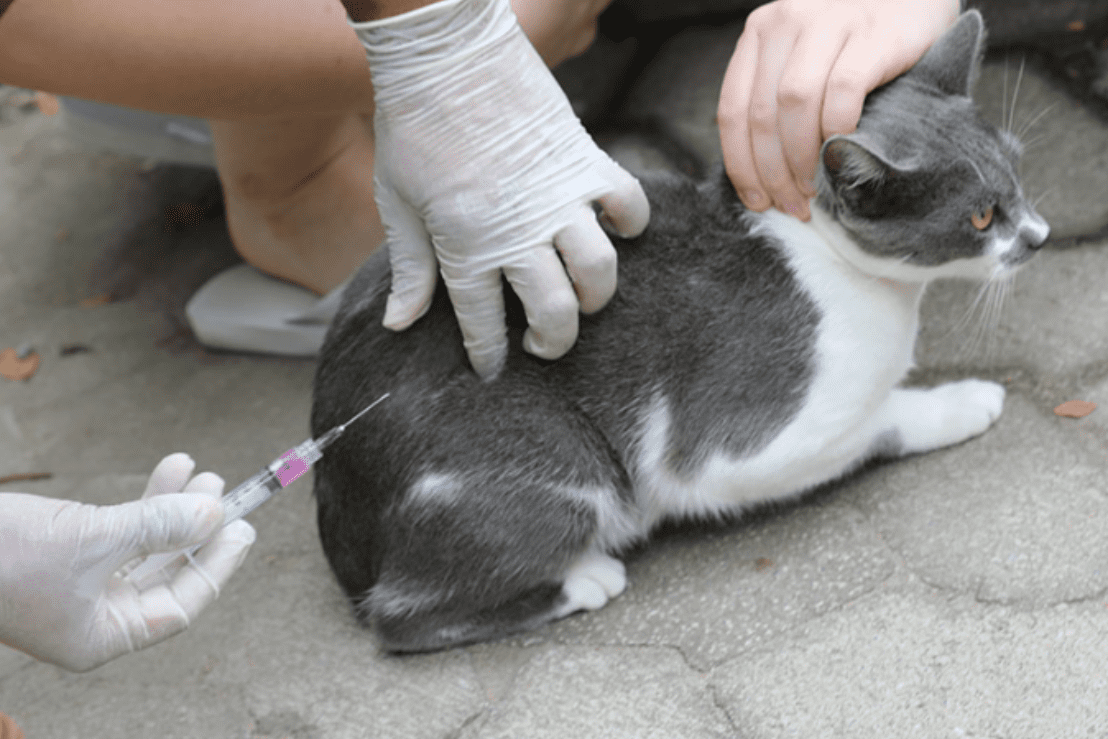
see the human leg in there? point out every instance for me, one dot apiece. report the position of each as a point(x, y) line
point(299, 194)
point(299, 189)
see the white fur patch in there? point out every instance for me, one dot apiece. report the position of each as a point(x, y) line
point(1034, 224)
point(435, 487)
point(394, 599)
point(617, 524)
point(864, 348)
point(592, 581)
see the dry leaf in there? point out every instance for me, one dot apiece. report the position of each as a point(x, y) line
point(762, 564)
point(47, 103)
point(25, 477)
point(1075, 409)
point(1076, 26)
point(14, 368)
point(96, 300)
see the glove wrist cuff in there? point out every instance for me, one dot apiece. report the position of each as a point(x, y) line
point(432, 36)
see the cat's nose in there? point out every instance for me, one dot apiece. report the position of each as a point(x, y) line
point(1033, 230)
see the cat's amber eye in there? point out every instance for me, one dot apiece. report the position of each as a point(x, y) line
point(982, 218)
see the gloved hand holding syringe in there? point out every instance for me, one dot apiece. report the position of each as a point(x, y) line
point(256, 490)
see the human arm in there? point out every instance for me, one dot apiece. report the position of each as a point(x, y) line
point(800, 73)
point(482, 169)
point(206, 58)
point(62, 598)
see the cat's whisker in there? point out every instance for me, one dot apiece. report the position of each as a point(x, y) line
point(967, 317)
point(1026, 128)
point(1002, 289)
point(1004, 93)
point(983, 318)
point(1015, 97)
point(1032, 142)
point(1042, 196)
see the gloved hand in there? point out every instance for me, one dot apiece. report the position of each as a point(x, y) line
point(481, 162)
point(62, 597)
point(800, 73)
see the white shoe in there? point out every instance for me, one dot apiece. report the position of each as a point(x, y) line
point(244, 310)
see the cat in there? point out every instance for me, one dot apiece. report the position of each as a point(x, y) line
point(744, 358)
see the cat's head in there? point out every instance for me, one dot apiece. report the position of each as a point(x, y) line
point(925, 187)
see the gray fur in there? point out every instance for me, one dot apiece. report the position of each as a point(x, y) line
point(452, 512)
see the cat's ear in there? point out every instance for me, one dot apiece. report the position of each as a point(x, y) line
point(851, 165)
point(856, 172)
point(953, 62)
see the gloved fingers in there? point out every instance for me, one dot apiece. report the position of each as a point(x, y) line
point(548, 300)
point(411, 255)
point(479, 306)
point(201, 580)
point(206, 483)
point(625, 207)
point(589, 259)
point(145, 617)
point(164, 523)
point(170, 475)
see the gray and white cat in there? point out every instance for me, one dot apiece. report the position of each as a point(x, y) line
point(744, 358)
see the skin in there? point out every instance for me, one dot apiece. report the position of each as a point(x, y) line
point(292, 139)
point(285, 56)
point(800, 73)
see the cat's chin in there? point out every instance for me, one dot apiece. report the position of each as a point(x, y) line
point(981, 268)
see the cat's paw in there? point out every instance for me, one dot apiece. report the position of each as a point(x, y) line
point(972, 406)
point(591, 581)
point(949, 414)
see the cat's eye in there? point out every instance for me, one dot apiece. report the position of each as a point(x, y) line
point(982, 218)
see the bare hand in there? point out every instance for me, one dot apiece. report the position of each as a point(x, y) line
point(800, 73)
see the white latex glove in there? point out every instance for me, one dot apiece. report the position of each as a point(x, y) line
point(800, 73)
point(481, 162)
point(62, 599)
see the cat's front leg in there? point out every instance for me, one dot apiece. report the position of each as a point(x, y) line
point(916, 420)
point(590, 582)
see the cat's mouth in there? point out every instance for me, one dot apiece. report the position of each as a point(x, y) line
point(1017, 249)
point(1014, 260)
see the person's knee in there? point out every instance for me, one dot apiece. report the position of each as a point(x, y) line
point(559, 29)
point(268, 161)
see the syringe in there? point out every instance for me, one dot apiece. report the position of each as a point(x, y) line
point(256, 490)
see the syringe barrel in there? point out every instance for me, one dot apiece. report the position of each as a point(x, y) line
point(246, 496)
point(250, 494)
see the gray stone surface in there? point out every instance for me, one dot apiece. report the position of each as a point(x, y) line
point(647, 693)
point(912, 663)
point(1026, 528)
point(1046, 330)
point(961, 593)
point(717, 593)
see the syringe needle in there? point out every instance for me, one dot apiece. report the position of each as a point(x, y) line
point(257, 489)
point(335, 432)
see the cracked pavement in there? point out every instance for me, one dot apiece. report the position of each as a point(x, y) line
point(956, 594)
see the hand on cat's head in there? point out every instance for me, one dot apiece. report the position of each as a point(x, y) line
point(800, 74)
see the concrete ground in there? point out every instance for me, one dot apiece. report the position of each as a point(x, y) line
point(959, 594)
